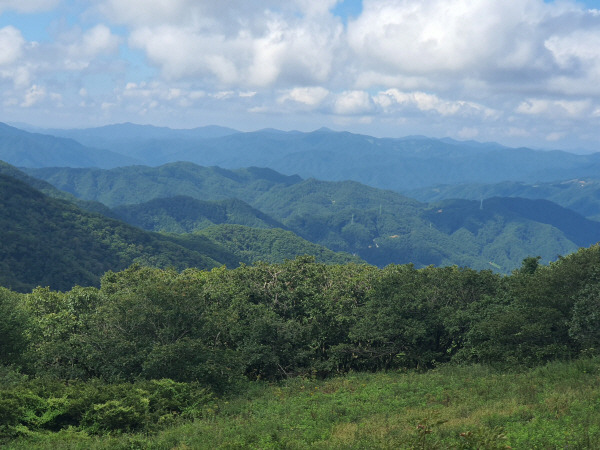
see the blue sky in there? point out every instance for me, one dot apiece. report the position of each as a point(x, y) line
point(519, 72)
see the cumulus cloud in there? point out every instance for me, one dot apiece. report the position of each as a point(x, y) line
point(475, 67)
point(353, 102)
point(235, 42)
point(310, 96)
point(394, 98)
point(12, 44)
point(34, 95)
point(555, 108)
point(453, 41)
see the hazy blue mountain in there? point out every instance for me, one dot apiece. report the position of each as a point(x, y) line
point(134, 131)
point(147, 143)
point(579, 194)
point(21, 148)
point(380, 226)
point(398, 164)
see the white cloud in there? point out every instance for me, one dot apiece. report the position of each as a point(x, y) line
point(445, 44)
point(555, 136)
point(310, 96)
point(391, 99)
point(555, 108)
point(353, 102)
point(34, 95)
point(12, 44)
point(433, 36)
point(468, 133)
point(235, 42)
point(79, 54)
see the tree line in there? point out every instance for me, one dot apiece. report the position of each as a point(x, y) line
point(300, 317)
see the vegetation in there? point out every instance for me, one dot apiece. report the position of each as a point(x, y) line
point(272, 245)
point(153, 349)
point(381, 227)
point(51, 242)
point(182, 214)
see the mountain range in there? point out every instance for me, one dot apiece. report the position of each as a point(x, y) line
point(389, 163)
point(579, 194)
point(270, 195)
point(51, 241)
point(380, 226)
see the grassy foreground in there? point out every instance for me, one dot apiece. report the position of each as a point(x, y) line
point(554, 406)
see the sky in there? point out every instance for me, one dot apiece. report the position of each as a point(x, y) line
point(517, 72)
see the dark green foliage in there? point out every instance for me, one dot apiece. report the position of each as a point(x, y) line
point(51, 191)
point(12, 327)
point(208, 330)
point(43, 404)
point(181, 214)
point(302, 317)
point(272, 245)
point(53, 243)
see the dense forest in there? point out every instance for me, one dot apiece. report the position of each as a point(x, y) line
point(54, 242)
point(379, 226)
point(156, 343)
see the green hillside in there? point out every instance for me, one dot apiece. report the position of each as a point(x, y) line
point(139, 184)
point(272, 245)
point(182, 214)
point(307, 355)
point(381, 227)
point(51, 191)
point(579, 194)
point(51, 242)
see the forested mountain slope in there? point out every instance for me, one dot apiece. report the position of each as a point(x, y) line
point(53, 243)
point(272, 245)
point(46, 188)
point(139, 184)
point(380, 226)
point(579, 194)
point(183, 214)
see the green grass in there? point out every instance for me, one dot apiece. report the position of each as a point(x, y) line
point(554, 406)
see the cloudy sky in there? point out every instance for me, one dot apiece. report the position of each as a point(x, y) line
point(519, 72)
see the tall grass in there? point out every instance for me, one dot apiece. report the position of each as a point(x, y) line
point(554, 406)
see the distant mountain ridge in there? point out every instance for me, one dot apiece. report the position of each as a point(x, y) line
point(20, 148)
point(579, 194)
point(388, 163)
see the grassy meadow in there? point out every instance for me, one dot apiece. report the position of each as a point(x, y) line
point(548, 407)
